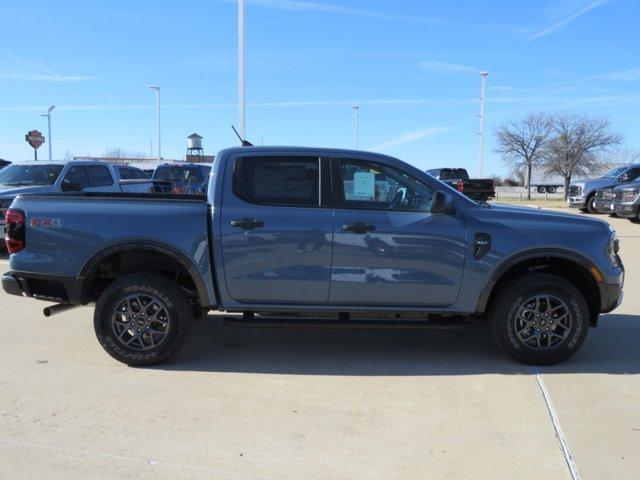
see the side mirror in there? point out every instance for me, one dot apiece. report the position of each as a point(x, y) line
point(68, 186)
point(623, 178)
point(442, 203)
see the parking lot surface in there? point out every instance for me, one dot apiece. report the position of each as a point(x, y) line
point(275, 403)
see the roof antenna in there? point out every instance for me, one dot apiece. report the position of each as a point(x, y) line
point(245, 143)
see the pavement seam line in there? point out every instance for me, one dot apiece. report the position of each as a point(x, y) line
point(564, 446)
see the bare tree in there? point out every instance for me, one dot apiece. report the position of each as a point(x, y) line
point(579, 146)
point(120, 153)
point(523, 144)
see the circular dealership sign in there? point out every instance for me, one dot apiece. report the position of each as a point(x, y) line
point(34, 138)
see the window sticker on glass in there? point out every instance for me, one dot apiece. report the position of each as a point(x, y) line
point(364, 185)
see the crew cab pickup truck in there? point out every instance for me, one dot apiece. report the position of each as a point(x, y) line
point(59, 176)
point(582, 194)
point(626, 201)
point(314, 235)
point(480, 189)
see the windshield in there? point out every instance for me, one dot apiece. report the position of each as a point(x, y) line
point(20, 175)
point(615, 172)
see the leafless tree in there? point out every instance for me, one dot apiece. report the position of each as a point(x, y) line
point(579, 146)
point(523, 144)
point(120, 153)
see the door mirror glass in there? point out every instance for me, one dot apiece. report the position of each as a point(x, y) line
point(624, 177)
point(442, 203)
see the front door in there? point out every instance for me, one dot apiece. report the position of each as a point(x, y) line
point(388, 248)
point(276, 233)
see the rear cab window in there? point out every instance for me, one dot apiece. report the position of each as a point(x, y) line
point(292, 181)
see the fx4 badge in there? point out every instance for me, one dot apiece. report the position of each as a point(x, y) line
point(45, 222)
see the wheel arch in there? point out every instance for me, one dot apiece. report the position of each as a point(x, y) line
point(571, 266)
point(85, 282)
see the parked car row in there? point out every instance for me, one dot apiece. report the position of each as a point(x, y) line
point(94, 176)
point(616, 193)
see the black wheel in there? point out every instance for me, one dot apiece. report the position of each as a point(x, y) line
point(541, 189)
point(540, 319)
point(142, 319)
point(552, 189)
point(591, 205)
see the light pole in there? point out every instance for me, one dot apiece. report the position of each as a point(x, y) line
point(356, 111)
point(48, 115)
point(483, 76)
point(157, 89)
point(241, 75)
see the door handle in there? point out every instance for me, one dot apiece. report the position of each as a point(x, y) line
point(247, 223)
point(358, 227)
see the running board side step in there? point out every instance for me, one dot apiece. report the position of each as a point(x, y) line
point(422, 324)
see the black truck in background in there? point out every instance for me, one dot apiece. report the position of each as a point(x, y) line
point(479, 189)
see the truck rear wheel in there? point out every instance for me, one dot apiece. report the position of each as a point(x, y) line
point(540, 319)
point(142, 319)
point(541, 189)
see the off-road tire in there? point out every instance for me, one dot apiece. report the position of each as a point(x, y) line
point(512, 297)
point(159, 288)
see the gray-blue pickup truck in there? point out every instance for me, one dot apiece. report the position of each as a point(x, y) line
point(312, 236)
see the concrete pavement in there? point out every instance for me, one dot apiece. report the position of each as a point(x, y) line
point(250, 403)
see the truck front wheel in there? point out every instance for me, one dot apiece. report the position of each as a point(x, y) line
point(142, 319)
point(540, 319)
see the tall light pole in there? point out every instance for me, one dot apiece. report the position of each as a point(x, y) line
point(157, 89)
point(483, 76)
point(48, 115)
point(241, 77)
point(356, 111)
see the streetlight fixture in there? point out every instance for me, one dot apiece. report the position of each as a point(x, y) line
point(157, 89)
point(241, 73)
point(483, 76)
point(356, 111)
point(48, 115)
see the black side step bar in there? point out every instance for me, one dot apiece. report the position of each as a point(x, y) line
point(422, 324)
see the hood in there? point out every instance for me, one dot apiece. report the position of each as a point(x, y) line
point(628, 186)
point(523, 213)
point(591, 183)
point(13, 191)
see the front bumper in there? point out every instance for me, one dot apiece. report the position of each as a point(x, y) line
point(626, 210)
point(576, 202)
point(604, 206)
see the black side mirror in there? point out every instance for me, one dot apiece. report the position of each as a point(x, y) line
point(68, 186)
point(442, 203)
point(623, 178)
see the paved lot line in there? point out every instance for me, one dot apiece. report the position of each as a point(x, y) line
point(564, 446)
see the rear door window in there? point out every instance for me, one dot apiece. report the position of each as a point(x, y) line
point(77, 174)
point(99, 175)
point(284, 181)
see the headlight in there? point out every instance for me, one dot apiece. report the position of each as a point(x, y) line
point(613, 247)
point(630, 195)
point(606, 193)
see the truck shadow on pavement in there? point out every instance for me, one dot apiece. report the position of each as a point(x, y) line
point(610, 348)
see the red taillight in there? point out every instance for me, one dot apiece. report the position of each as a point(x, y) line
point(14, 230)
point(460, 185)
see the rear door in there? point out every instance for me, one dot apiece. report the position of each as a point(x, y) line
point(388, 247)
point(276, 229)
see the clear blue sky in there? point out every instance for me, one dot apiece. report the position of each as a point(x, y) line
point(413, 66)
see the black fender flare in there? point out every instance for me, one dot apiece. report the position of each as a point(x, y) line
point(520, 257)
point(81, 295)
